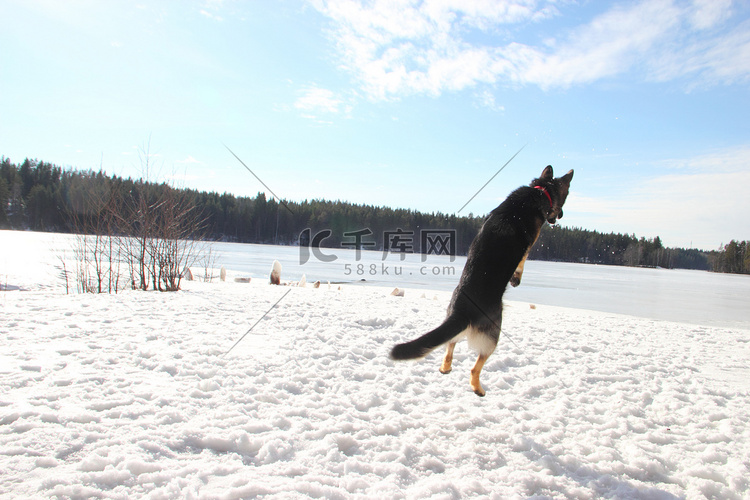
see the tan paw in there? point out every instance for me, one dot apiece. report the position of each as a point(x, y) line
point(478, 390)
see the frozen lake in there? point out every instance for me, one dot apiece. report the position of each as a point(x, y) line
point(695, 297)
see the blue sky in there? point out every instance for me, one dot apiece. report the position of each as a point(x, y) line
point(412, 104)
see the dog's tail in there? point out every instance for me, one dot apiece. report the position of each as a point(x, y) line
point(421, 347)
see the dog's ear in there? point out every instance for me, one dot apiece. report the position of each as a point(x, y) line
point(547, 173)
point(567, 177)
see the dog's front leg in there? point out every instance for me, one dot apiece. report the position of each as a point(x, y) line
point(516, 279)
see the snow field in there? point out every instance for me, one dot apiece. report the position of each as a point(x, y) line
point(130, 395)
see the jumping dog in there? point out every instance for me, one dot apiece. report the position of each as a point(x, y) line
point(496, 257)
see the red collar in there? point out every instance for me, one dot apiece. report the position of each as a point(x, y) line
point(540, 188)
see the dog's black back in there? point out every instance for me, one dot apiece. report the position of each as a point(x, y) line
point(493, 256)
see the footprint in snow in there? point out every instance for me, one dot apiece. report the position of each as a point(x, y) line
point(377, 322)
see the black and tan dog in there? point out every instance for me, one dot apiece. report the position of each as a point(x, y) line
point(496, 258)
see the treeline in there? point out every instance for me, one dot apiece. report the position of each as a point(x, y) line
point(43, 197)
point(734, 257)
point(580, 245)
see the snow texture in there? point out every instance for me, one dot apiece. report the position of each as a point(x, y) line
point(132, 395)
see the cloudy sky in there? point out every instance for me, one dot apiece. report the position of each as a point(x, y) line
point(412, 104)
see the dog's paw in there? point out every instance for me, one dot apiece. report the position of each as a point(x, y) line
point(515, 280)
point(445, 371)
point(477, 388)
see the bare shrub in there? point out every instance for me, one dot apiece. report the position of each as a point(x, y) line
point(175, 244)
point(163, 226)
point(209, 259)
point(64, 273)
point(97, 249)
point(153, 230)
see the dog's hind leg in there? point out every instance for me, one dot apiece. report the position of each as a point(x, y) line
point(447, 365)
point(475, 385)
point(483, 340)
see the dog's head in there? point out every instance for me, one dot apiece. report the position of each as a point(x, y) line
point(556, 188)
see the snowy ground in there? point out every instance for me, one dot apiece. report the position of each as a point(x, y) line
point(131, 395)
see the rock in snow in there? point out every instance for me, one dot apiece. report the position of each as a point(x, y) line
point(275, 277)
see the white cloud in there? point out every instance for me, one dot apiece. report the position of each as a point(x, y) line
point(211, 9)
point(189, 159)
point(486, 99)
point(609, 45)
point(708, 13)
point(402, 47)
point(317, 99)
point(314, 102)
point(210, 15)
point(730, 160)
